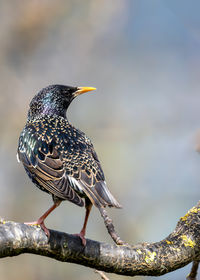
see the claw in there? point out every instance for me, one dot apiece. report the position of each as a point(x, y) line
point(40, 221)
point(41, 224)
point(81, 235)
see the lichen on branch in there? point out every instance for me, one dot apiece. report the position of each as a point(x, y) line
point(178, 249)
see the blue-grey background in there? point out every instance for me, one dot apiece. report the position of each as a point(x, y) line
point(144, 119)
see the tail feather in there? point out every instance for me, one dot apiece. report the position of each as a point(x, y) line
point(103, 191)
point(97, 192)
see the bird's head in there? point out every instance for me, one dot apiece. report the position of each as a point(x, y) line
point(54, 100)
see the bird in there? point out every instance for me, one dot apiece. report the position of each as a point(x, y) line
point(59, 158)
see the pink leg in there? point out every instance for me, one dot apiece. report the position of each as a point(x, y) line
point(83, 230)
point(40, 221)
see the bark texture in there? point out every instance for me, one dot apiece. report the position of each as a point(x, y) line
point(178, 249)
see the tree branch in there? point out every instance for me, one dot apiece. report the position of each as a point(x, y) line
point(181, 247)
point(193, 272)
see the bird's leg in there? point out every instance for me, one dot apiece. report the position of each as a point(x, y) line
point(88, 207)
point(40, 221)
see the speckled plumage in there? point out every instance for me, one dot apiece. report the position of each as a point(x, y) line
point(59, 158)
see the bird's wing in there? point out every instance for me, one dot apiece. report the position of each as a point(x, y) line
point(89, 176)
point(44, 163)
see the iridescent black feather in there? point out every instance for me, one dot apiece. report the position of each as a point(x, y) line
point(59, 158)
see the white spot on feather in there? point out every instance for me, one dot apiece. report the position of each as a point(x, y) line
point(18, 157)
point(75, 184)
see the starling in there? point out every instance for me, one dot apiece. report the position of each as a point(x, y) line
point(59, 158)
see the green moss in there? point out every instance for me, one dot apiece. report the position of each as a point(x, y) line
point(188, 242)
point(150, 257)
point(194, 210)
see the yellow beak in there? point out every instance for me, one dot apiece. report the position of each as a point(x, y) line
point(82, 90)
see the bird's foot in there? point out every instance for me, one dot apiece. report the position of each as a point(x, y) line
point(41, 224)
point(82, 237)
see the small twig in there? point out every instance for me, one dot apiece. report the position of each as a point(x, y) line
point(103, 276)
point(110, 227)
point(193, 272)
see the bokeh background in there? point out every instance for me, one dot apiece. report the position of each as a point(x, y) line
point(144, 58)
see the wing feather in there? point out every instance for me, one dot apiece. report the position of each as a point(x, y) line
point(75, 174)
point(45, 167)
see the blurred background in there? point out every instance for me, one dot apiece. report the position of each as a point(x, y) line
point(144, 119)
